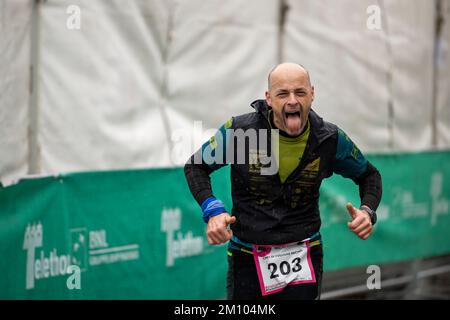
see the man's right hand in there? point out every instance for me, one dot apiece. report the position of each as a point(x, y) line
point(217, 231)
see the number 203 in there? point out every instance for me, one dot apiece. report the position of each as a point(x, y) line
point(285, 267)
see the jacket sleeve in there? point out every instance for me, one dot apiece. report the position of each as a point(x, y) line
point(350, 163)
point(210, 157)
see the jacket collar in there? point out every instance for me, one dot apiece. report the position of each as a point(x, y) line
point(261, 107)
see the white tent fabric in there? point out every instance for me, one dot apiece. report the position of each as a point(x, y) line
point(114, 91)
point(219, 58)
point(100, 86)
point(443, 81)
point(15, 23)
point(350, 63)
point(139, 83)
point(412, 29)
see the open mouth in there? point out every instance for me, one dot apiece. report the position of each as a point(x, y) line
point(292, 114)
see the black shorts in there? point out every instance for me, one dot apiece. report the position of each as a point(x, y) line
point(243, 283)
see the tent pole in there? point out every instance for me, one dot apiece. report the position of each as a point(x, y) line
point(33, 114)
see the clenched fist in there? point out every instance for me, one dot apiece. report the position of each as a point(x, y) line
point(217, 231)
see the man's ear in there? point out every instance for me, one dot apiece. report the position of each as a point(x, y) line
point(268, 99)
point(312, 93)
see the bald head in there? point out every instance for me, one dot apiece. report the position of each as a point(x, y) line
point(287, 69)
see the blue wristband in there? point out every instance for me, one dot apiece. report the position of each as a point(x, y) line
point(212, 207)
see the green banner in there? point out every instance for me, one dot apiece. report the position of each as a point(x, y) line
point(138, 234)
point(133, 234)
point(413, 216)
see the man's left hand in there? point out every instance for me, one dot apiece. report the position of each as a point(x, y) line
point(360, 225)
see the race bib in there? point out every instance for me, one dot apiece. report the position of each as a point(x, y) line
point(283, 265)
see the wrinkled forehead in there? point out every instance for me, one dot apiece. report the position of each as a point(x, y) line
point(289, 79)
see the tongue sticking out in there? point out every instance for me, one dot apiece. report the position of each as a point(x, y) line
point(293, 123)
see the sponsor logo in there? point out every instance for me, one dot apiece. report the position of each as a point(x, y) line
point(178, 244)
point(88, 248)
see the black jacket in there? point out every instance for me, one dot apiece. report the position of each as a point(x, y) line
point(268, 211)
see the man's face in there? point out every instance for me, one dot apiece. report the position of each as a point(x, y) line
point(290, 95)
